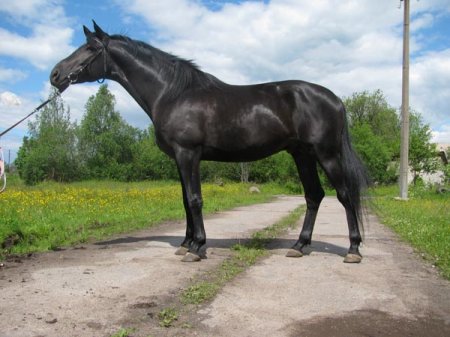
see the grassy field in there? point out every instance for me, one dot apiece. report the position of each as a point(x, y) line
point(423, 221)
point(52, 215)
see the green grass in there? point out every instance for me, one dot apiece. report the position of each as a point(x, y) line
point(123, 333)
point(244, 255)
point(51, 215)
point(167, 317)
point(423, 221)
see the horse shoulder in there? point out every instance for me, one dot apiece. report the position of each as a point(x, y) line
point(181, 123)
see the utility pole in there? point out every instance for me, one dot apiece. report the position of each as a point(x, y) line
point(404, 141)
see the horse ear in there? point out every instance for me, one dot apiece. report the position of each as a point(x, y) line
point(99, 32)
point(87, 32)
point(90, 37)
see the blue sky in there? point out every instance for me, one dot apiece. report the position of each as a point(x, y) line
point(346, 45)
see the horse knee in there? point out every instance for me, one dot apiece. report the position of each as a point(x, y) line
point(313, 200)
point(195, 202)
point(344, 199)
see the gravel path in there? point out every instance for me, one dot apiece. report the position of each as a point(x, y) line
point(96, 289)
point(93, 290)
point(391, 293)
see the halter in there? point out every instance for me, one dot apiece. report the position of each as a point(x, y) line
point(73, 76)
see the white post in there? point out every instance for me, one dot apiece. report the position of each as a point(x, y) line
point(404, 143)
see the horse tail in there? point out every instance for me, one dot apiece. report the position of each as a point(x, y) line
point(355, 175)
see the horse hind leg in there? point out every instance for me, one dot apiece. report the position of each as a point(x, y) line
point(335, 173)
point(307, 169)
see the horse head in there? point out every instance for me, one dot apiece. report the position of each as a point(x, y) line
point(85, 63)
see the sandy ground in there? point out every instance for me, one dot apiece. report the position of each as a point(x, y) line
point(93, 290)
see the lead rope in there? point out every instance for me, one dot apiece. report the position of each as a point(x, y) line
point(2, 158)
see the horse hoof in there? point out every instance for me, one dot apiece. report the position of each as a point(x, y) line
point(352, 258)
point(294, 253)
point(191, 257)
point(181, 251)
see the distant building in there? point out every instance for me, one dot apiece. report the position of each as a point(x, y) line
point(438, 176)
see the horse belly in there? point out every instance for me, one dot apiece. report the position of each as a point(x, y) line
point(242, 155)
point(251, 136)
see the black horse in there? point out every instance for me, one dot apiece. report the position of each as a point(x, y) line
point(198, 117)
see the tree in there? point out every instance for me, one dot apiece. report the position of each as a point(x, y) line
point(49, 152)
point(375, 153)
point(149, 162)
point(105, 139)
point(422, 153)
point(375, 130)
point(373, 109)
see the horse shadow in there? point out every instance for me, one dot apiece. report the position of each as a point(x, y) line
point(227, 243)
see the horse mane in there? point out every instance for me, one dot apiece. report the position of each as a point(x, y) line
point(184, 74)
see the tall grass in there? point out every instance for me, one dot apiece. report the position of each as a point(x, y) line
point(52, 215)
point(423, 221)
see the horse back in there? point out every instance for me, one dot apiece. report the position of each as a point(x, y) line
point(244, 123)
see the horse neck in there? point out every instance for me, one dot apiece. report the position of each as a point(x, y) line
point(137, 77)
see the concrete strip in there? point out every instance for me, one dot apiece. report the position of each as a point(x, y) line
point(90, 291)
point(281, 296)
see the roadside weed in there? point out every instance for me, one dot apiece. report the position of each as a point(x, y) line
point(167, 317)
point(123, 333)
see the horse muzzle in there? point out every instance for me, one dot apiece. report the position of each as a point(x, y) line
point(58, 81)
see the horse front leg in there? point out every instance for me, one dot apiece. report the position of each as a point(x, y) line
point(307, 170)
point(184, 247)
point(188, 162)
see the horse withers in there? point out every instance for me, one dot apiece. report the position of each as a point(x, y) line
point(198, 117)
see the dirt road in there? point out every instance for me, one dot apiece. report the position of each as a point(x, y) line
point(124, 282)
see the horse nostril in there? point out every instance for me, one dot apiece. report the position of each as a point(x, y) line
point(55, 74)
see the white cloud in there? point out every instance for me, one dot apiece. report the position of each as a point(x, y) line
point(13, 108)
point(430, 90)
point(252, 41)
point(49, 38)
point(8, 98)
point(11, 75)
point(42, 49)
point(28, 12)
point(442, 136)
point(348, 46)
point(11, 111)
